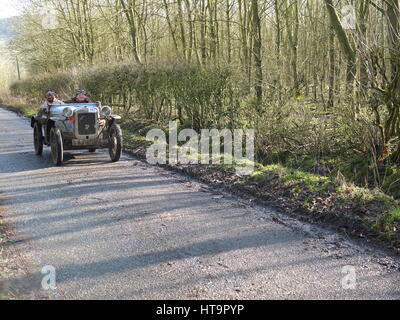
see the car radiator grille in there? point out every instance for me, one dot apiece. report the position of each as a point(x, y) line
point(87, 123)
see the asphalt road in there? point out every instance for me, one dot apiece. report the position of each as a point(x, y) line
point(129, 230)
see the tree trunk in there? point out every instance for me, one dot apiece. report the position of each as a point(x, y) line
point(331, 98)
point(347, 46)
point(257, 44)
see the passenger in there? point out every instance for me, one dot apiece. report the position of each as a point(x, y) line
point(51, 100)
point(80, 97)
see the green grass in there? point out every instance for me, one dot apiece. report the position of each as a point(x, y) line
point(129, 136)
point(5, 240)
point(388, 224)
point(308, 180)
point(25, 109)
point(394, 215)
point(294, 179)
point(364, 196)
point(3, 295)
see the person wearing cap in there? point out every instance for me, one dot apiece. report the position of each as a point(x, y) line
point(80, 97)
point(51, 100)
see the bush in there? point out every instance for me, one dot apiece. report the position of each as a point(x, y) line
point(197, 97)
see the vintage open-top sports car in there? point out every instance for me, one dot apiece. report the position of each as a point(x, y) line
point(87, 126)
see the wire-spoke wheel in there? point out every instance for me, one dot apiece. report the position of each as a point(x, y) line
point(115, 142)
point(57, 149)
point(38, 139)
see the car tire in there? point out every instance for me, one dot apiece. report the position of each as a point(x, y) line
point(57, 148)
point(92, 150)
point(38, 139)
point(115, 142)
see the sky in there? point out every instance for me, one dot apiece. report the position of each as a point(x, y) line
point(9, 8)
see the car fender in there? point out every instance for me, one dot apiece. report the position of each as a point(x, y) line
point(112, 119)
point(34, 119)
point(61, 125)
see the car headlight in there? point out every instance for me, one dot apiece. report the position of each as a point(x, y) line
point(106, 111)
point(68, 112)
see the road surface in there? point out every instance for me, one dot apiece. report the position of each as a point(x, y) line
point(129, 230)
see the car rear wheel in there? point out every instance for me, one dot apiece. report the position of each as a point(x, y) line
point(115, 142)
point(57, 149)
point(38, 139)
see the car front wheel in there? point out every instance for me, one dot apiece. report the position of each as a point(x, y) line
point(38, 139)
point(57, 149)
point(115, 142)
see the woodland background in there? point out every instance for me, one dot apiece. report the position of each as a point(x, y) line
point(319, 80)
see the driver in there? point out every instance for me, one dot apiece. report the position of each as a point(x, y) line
point(80, 97)
point(51, 100)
